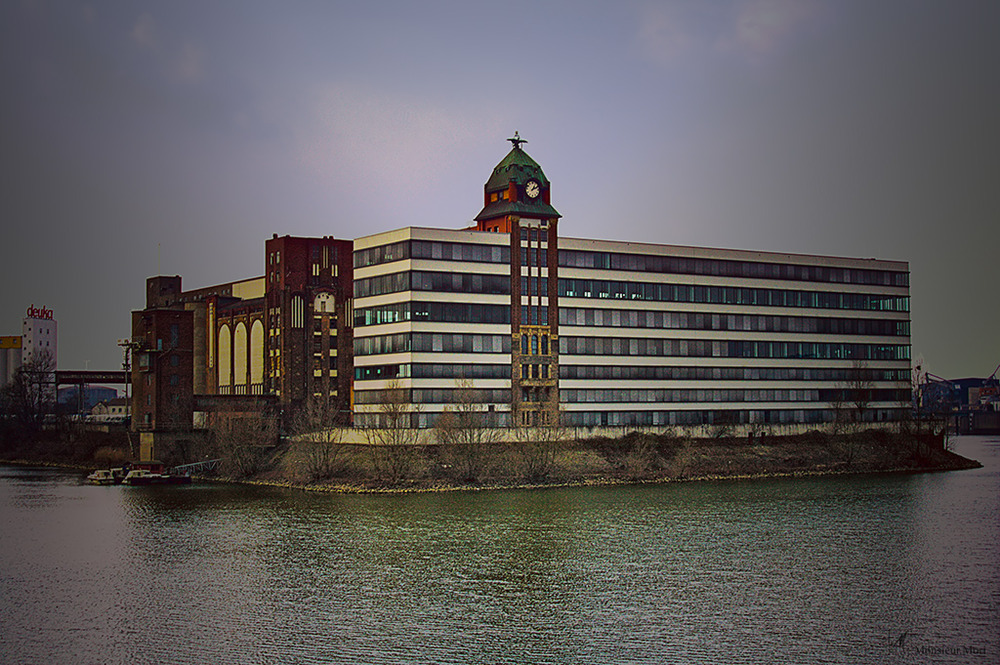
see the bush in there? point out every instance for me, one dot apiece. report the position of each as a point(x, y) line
point(108, 457)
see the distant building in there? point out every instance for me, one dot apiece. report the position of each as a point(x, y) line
point(72, 400)
point(10, 358)
point(116, 409)
point(38, 340)
point(39, 336)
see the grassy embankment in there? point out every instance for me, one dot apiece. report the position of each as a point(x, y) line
point(634, 458)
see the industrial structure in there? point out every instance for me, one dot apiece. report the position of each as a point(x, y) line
point(545, 329)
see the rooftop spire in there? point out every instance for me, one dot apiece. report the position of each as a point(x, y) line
point(517, 140)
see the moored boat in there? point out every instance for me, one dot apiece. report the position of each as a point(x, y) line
point(138, 473)
point(146, 477)
point(108, 476)
point(101, 477)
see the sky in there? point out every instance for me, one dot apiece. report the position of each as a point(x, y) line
point(141, 138)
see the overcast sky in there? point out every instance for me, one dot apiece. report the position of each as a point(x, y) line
point(175, 137)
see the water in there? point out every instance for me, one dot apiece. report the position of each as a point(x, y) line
point(870, 569)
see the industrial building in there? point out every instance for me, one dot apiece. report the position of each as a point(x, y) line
point(544, 329)
point(38, 343)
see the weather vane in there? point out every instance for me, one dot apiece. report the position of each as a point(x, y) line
point(517, 140)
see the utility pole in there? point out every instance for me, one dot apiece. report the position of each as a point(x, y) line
point(128, 345)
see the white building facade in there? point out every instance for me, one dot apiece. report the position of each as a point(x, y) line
point(39, 335)
point(596, 333)
point(431, 312)
point(655, 335)
point(647, 336)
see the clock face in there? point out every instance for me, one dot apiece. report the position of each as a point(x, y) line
point(532, 189)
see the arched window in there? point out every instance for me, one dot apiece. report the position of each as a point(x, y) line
point(257, 353)
point(240, 358)
point(225, 359)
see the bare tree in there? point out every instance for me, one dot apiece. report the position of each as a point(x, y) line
point(244, 439)
point(723, 424)
point(852, 398)
point(538, 447)
point(470, 431)
point(30, 396)
point(321, 439)
point(860, 388)
point(842, 414)
point(391, 437)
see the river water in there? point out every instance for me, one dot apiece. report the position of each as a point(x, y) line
point(866, 569)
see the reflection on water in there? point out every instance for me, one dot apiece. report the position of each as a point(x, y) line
point(840, 570)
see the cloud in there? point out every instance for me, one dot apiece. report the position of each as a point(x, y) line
point(663, 34)
point(188, 65)
point(182, 65)
point(761, 26)
point(667, 34)
point(372, 136)
point(144, 32)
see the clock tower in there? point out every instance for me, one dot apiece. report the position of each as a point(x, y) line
point(516, 202)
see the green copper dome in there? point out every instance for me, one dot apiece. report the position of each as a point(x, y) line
point(518, 168)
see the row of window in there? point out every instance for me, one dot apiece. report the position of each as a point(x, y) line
point(665, 373)
point(535, 315)
point(618, 346)
point(438, 251)
point(541, 372)
point(630, 373)
point(729, 268)
point(578, 316)
point(618, 418)
point(575, 316)
point(442, 282)
point(452, 395)
point(432, 371)
point(657, 396)
point(533, 255)
point(730, 295)
point(468, 252)
point(431, 342)
point(436, 396)
point(534, 345)
point(669, 395)
point(694, 348)
point(432, 311)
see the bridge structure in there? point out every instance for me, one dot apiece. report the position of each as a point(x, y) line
point(83, 378)
point(79, 377)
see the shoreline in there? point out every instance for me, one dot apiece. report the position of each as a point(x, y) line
point(340, 488)
point(630, 460)
point(586, 482)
